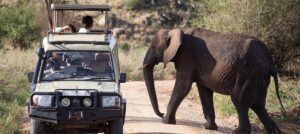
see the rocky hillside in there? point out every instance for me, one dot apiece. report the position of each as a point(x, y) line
point(137, 21)
point(133, 21)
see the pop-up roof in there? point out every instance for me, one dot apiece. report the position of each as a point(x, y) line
point(56, 8)
point(80, 7)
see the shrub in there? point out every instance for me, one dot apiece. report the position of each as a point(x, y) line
point(289, 94)
point(274, 22)
point(18, 25)
point(134, 4)
point(14, 87)
point(131, 59)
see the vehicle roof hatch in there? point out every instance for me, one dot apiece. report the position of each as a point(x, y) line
point(80, 7)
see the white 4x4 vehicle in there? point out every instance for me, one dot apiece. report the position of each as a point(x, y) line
point(76, 82)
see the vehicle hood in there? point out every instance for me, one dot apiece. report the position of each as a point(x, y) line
point(51, 86)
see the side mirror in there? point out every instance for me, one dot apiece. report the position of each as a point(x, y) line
point(40, 52)
point(30, 76)
point(123, 77)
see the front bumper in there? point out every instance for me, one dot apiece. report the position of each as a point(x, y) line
point(77, 115)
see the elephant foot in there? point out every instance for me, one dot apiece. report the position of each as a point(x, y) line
point(274, 129)
point(210, 126)
point(168, 120)
point(242, 131)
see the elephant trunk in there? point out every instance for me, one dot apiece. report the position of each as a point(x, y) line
point(148, 76)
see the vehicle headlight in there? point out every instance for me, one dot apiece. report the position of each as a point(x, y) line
point(87, 102)
point(65, 102)
point(111, 101)
point(42, 100)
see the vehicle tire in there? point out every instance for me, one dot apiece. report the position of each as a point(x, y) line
point(36, 127)
point(116, 126)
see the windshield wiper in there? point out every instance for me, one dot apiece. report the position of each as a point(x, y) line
point(98, 78)
point(62, 78)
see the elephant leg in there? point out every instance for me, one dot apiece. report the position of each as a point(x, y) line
point(244, 126)
point(206, 97)
point(261, 112)
point(181, 89)
point(240, 100)
point(264, 117)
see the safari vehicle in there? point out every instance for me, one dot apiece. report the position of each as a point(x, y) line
point(76, 82)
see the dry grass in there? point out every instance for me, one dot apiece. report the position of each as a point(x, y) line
point(289, 93)
point(14, 88)
point(17, 61)
point(131, 59)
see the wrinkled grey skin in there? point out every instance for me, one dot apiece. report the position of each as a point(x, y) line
point(231, 64)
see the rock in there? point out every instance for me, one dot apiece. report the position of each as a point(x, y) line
point(101, 21)
point(169, 16)
point(117, 5)
point(118, 31)
point(122, 37)
point(148, 39)
point(9, 2)
point(136, 36)
point(148, 21)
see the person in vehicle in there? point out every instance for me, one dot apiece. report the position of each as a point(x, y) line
point(70, 28)
point(101, 63)
point(53, 67)
point(55, 62)
point(87, 22)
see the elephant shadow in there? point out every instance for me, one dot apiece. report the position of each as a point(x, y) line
point(183, 122)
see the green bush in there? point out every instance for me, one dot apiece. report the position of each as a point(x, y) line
point(18, 25)
point(134, 4)
point(289, 94)
point(14, 87)
point(274, 22)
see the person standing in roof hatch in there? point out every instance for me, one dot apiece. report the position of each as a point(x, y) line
point(87, 22)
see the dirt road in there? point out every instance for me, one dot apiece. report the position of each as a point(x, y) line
point(140, 117)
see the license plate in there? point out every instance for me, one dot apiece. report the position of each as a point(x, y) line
point(76, 93)
point(76, 115)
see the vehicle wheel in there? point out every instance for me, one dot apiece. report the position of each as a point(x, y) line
point(36, 127)
point(116, 126)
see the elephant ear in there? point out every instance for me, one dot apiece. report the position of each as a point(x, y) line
point(175, 40)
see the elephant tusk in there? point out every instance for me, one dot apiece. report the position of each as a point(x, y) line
point(142, 67)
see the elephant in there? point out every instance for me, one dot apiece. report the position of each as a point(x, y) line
point(236, 64)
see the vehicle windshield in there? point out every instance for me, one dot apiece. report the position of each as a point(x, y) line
point(78, 65)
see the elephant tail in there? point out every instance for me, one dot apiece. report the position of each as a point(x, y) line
point(275, 76)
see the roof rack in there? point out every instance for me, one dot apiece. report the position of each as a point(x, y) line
point(61, 7)
point(80, 7)
point(77, 38)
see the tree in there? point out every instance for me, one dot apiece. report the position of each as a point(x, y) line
point(274, 22)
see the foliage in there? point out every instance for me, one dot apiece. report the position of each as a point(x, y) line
point(289, 94)
point(131, 59)
point(134, 4)
point(142, 4)
point(14, 88)
point(275, 22)
point(18, 25)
